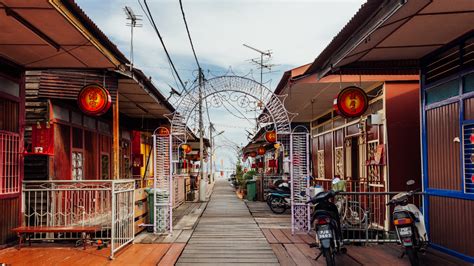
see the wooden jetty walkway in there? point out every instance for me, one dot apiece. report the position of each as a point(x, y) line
point(227, 234)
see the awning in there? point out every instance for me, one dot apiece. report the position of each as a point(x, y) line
point(139, 98)
point(396, 31)
point(53, 34)
point(311, 97)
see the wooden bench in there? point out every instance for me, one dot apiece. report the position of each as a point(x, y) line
point(27, 231)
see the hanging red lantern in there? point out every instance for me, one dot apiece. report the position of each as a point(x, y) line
point(163, 132)
point(253, 154)
point(261, 151)
point(254, 165)
point(271, 136)
point(186, 148)
point(94, 100)
point(260, 164)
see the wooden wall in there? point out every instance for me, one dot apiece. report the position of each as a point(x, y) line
point(9, 218)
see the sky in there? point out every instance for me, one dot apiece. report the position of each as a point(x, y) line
point(295, 31)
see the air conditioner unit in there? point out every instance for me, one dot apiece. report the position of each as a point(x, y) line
point(374, 119)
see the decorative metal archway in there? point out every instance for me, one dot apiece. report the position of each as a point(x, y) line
point(239, 90)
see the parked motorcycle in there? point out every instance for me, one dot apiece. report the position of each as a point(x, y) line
point(279, 200)
point(326, 221)
point(280, 187)
point(409, 224)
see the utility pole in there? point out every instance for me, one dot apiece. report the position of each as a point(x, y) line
point(211, 128)
point(203, 179)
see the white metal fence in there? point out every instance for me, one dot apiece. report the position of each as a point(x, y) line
point(108, 204)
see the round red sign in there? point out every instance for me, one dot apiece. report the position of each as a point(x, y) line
point(352, 102)
point(94, 100)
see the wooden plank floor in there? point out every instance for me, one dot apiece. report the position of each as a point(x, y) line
point(185, 219)
point(227, 234)
point(294, 249)
point(136, 254)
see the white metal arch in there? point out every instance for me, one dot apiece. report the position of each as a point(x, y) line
point(166, 148)
point(274, 104)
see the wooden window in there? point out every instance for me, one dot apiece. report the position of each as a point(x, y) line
point(339, 162)
point(105, 166)
point(9, 115)
point(320, 156)
point(77, 166)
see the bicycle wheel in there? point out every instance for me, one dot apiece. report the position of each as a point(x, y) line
point(355, 215)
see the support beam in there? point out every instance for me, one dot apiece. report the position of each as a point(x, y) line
point(116, 139)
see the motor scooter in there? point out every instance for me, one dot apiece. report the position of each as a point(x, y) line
point(409, 224)
point(326, 221)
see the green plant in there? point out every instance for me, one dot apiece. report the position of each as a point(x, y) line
point(249, 175)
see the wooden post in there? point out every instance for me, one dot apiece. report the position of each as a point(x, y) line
point(116, 138)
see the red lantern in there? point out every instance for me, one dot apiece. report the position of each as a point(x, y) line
point(186, 148)
point(271, 136)
point(260, 164)
point(254, 165)
point(253, 154)
point(351, 102)
point(261, 151)
point(94, 100)
point(163, 132)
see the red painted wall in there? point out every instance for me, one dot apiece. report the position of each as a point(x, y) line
point(403, 132)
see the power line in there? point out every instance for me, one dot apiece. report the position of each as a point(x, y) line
point(152, 21)
point(189, 35)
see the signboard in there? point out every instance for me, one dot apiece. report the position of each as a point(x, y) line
point(351, 102)
point(42, 139)
point(94, 100)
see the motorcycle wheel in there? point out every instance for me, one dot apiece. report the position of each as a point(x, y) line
point(269, 200)
point(329, 256)
point(412, 256)
point(278, 205)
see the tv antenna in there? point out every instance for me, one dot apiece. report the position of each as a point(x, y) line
point(133, 19)
point(265, 57)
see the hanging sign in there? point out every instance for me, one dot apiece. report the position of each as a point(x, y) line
point(42, 139)
point(351, 102)
point(94, 100)
point(271, 136)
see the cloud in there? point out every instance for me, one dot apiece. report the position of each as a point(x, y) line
point(295, 31)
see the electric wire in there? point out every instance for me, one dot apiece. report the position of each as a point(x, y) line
point(189, 34)
point(152, 22)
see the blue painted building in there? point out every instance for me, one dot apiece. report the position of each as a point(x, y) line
point(435, 39)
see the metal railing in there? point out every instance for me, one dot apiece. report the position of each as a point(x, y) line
point(9, 163)
point(179, 189)
point(365, 218)
point(108, 204)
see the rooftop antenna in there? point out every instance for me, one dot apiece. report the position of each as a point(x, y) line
point(265, 57)
point(132, 18)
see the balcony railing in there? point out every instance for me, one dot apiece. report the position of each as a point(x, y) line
point(108, 204)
